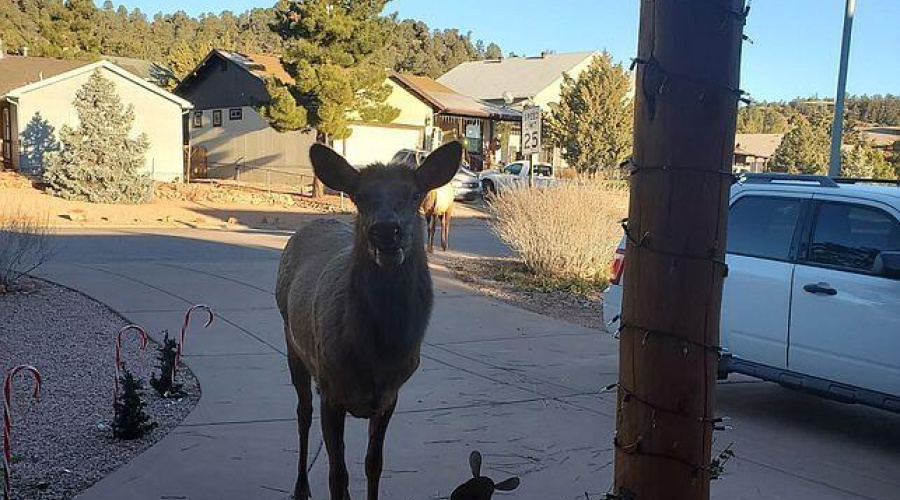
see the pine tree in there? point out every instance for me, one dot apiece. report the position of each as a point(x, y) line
point(859, 160)
point(282, 110)
point(130, 420)
point(805, 148)
point(334, 52)
point(593, 120)
point(100, 160)
point(165, 385)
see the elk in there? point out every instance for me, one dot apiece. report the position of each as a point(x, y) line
point(356, 301)
point(438, 204)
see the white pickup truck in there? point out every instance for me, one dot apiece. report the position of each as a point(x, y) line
point(515, 175)
point(812, 296)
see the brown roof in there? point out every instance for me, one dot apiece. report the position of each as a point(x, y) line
point(761, 145)
point(881, 137)
point(448, 101)
point(261, 65)
point(18, 71)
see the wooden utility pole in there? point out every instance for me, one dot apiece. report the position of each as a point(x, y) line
point(688, 69)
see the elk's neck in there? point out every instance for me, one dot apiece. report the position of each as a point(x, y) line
point(393, 306)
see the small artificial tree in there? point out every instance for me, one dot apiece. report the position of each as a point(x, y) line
point(165, 385)
point(100, 160)
point(130, 420)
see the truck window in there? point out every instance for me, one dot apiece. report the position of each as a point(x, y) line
point(513, 168)
point(763, 226)
point(543, 170)
point(851, 236)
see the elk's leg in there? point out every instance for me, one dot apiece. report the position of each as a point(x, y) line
point(431, 223)
point(333, 433)
point(375, 455)
point(301, 380)
point(445, 230)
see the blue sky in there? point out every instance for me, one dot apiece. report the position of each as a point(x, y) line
point(795, 50)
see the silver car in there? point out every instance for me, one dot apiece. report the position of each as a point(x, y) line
point(466, 184)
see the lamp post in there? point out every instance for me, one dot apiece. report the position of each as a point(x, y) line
point(837, 129)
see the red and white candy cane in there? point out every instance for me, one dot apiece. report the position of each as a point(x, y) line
point(142, 334)
point(187, 321)
point(7, 419)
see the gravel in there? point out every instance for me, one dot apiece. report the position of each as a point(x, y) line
point(62, 444)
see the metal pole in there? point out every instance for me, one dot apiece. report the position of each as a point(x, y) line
point(837, 128)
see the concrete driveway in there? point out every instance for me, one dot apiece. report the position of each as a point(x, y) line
point(522, 388)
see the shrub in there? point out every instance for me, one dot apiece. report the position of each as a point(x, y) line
point(130, 420)
point(24, 246)
point(100, 160)
point(568, 232)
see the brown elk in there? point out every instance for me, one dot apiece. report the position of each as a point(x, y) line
point(438, 204)
point(356, 302)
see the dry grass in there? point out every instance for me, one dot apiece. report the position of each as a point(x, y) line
point(24, 245)
point(565, 235)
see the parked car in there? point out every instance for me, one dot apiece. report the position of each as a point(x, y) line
point(812, 296)
point(466, 184)
point(515, 175)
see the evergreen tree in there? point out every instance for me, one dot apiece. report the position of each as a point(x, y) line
point(805, 148)
point(762, 119)
point(593, 121)
point(130, 420)
point(859, 160)
point(100, 160)
point(165, 384)
point(282, 110)
point(334, 52)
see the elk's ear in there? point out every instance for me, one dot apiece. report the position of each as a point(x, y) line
point(508, 485)
point(475, 463)
point(333, 170)
point(440, 166)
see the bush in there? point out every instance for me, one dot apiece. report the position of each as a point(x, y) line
point(565, 233)
point(100, 160)
point(24, 246)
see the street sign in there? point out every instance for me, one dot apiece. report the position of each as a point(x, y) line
point(531, 130)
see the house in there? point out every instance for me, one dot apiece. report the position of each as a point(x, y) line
point(430, 114)
point(514, 80)
point(752, 152)
point(36, 100)
point(228, 132)
point(517, 81)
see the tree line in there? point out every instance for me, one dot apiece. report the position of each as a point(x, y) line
point(775, 117)
point(78, 29)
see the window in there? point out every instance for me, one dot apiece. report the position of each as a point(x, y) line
point(217, 118)
point(513, 168)
point(198, 119)
point(543, 170)
point(235, 114)
point(851, 236)
point(761, 226)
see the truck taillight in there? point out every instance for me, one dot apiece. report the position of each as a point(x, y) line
point(618, 266)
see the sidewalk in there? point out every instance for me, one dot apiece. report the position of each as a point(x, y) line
point(519, 387)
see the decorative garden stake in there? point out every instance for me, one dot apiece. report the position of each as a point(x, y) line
point(143, 337)
point(187, 321)
point(7, 420)
point(481, 487)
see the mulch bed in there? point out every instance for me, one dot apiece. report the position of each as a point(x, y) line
point(62, 443)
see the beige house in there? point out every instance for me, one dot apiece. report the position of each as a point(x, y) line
point(430, 114)
point(36, 96)
point(516, 81)
point(752, 152)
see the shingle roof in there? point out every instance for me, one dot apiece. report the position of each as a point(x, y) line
point(523, 77)
point(448, 101)
point(261, 65)
point(881, 136)
point(762, 145)
point(18, 71)
point(148, 70)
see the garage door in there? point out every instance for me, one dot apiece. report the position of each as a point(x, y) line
point(371, 144)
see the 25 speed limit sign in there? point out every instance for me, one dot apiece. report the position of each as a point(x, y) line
point(531, 130)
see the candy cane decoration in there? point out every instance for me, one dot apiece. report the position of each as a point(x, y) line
point(187, 321)
point(119, 364)
point(7, 419)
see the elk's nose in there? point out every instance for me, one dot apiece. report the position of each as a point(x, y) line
point(385, 235)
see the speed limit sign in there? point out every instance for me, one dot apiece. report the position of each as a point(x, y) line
point(531, 130)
